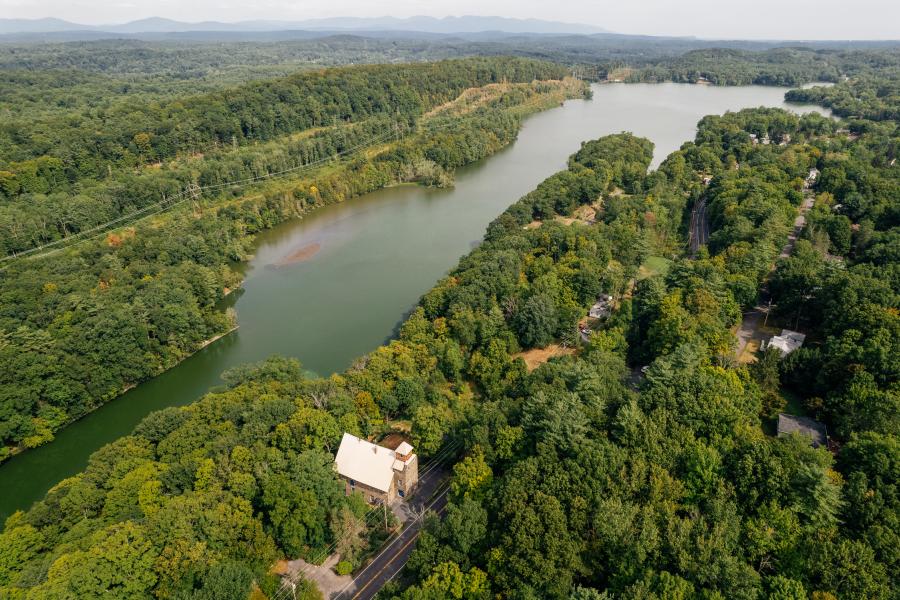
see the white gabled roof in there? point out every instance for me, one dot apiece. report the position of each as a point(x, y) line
point(404, 448)
point(365, 462)
point(788, 341)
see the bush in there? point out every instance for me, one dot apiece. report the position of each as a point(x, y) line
point(343, 568)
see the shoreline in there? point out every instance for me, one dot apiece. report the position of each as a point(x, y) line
point(531, 108)
point(203, 345)
point(20, 450)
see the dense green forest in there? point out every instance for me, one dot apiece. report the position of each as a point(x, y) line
point(675, 490)
point(791, 66)
point(639, 464)
point(866, 97)
point(80, 326)
point(279, 426)
point(51, 165)
point(575, 483)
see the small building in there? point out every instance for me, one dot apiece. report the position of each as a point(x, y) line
point(382, 475)
point(788, 424)
point(602, 308)
point(787, 342)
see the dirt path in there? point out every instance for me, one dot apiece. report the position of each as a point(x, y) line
point(537, 356)
point(749, 330)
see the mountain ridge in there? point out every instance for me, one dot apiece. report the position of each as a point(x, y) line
point(461, 24)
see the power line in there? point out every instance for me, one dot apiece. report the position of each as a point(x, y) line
point(191, 192)
point(418, 517)
point(430, 466)
point(436, 461)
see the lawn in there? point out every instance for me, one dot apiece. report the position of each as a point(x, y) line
point(654, 265)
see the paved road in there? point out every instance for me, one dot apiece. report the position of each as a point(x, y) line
point(432, 495)
point(699, 230)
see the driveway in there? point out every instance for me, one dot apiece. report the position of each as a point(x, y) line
point(750, 328)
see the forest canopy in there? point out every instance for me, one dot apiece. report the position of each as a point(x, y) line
point(642, 460)
point(575, 482)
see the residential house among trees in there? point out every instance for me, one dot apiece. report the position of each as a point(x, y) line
point(381, 474)
point(787, 342)
point(602, 308)
point(811, 428)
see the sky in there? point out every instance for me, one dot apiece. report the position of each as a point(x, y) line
point(745, 19)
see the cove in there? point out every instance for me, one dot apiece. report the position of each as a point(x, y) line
point(333, 286)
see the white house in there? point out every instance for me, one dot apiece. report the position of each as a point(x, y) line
point(787, 342)
point(381, 474)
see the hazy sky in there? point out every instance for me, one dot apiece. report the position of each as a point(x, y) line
point(784, 19)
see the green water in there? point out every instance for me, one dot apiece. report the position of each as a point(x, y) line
point(378, 254)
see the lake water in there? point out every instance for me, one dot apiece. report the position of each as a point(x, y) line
point(377, 255)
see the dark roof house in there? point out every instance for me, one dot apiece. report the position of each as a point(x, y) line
point(811, 428)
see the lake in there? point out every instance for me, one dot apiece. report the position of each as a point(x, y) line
point(333, 286)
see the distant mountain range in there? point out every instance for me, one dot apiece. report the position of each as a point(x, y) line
point(446, 25)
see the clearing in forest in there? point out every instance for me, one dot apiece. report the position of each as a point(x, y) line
point(654, 265)
point(537, 356)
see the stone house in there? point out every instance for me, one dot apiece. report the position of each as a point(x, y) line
point(382, 475)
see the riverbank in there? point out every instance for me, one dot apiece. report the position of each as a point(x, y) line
point(216, 338)
point(274, 202)
point(18, 450)
point(379, 254)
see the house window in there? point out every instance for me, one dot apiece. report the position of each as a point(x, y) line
point(352, 483)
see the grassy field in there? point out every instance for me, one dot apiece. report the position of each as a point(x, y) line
point(654, 265)
point(537, 356)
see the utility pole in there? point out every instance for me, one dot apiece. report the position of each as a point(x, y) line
point(193, 191)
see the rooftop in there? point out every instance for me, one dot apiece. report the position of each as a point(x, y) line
point(811, 428)
point(367, 463)
point(788, 341)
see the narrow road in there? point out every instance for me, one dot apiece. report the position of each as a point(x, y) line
point(699, 229)
point(393, 556)
point(752, 321)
